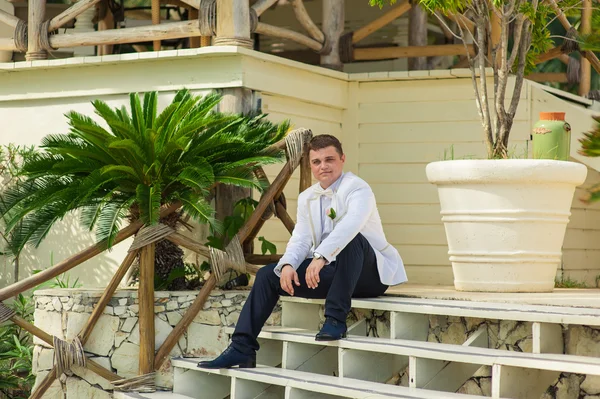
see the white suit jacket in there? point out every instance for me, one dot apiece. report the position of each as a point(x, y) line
point(356, 212)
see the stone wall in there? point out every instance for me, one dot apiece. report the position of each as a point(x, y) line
point(114, 342)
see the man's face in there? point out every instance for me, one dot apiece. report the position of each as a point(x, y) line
point(326, 165)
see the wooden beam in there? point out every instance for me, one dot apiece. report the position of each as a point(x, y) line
point(305, 173)
point(185, 321)
point(593, 59)
point(155, 8)
point(382, 21)
point(188, 243)
point(549, 55)
point(263, 5)
point(333, 28)
point(585, 83)
point(44, 385)
point(442, 23)
point(146, 312)
point(284, 33)
point(7, 44)
point(86, 331)
point(306, 22)
point(382, 53)
point(285, 218)
point(8, 19)
point(556, 77)
point(107, 22)
point(36, 13)
point(70, 13)
point(47, 338)
point(248, 231)
point(76, 259)
point(193, 16)
point(172, 30)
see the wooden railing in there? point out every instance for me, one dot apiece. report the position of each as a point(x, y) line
point(295, 145)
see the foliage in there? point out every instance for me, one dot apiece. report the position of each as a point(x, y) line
point(590, 147)
point(524, 34)
point(16, 353)
point(11, 160)
point(190, 271)
point(141, 161)
point(569, 283)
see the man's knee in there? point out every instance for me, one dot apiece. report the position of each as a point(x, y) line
point(266, 274)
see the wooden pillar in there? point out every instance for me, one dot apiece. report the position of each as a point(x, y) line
point(586, 68)
point(35, 16)
point(233, 23)
point(205, 41)
point(417, 35)
point(333, 27)
point(106, 21)
point(194, 41)
point(155, 6)
point(146, 311)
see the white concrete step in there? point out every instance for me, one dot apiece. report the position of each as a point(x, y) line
point(471, 354)
point(482, 310)
point(153, 395)
point(268, 382)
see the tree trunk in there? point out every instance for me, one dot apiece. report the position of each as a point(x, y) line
point(417, 36)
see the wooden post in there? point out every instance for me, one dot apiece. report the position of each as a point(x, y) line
point(106, 22)
point(586, 67)
point(333, 27)
point(155, 6)
point(86, 331)
point(305, 173)
point(233, 23)
point(35, 17)
point(417, 35)
point(194, 41)
point(205, 41)
point(44, 385)
point(146, 312)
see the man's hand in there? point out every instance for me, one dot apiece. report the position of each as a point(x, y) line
point(312, 272)
point(287, 275)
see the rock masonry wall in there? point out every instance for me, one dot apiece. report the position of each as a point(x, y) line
point(114, 342)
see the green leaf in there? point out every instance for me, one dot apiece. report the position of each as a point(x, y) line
point(267, 246)
point(148, 199)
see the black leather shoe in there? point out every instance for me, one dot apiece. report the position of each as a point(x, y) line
point(230, 357)
point(332, 330)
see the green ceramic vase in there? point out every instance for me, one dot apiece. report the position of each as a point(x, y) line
point(551, 137)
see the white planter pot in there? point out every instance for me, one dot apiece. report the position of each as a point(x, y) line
point(505, 220)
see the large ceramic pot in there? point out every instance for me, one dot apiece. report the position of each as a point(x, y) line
point(505, 220)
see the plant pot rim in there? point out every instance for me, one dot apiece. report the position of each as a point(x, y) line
point(505, 171)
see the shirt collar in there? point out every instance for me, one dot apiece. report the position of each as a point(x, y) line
point(335, 184)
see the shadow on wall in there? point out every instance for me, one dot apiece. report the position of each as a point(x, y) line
point(65, 239)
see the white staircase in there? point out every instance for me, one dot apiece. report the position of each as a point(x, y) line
point(292, 365)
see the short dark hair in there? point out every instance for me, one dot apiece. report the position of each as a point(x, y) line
point(325, 140)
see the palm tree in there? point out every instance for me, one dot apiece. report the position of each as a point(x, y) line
point(138, 162)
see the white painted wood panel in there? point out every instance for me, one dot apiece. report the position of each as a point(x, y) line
point(433, 132)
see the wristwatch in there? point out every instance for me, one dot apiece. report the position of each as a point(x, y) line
point(317, 255)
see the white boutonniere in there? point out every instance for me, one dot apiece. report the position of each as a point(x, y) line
point(331, 213)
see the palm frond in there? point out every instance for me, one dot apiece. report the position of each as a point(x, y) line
point(148, 199)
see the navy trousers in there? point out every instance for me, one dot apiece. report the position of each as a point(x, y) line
point(353, 274)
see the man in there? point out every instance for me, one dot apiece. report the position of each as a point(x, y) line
point(337, 251)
